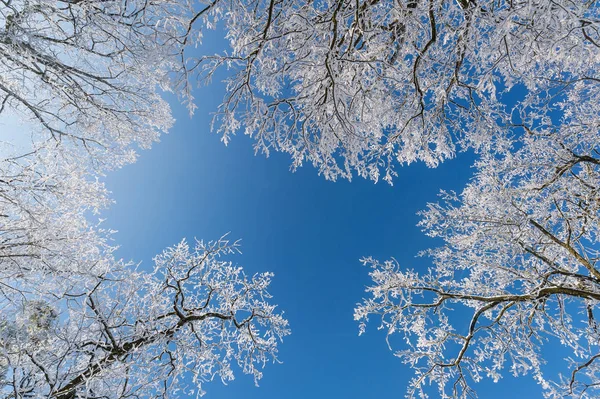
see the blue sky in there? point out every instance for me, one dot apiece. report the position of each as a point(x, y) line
point(310, 232)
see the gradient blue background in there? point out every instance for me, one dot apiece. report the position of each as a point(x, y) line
point(310, 232)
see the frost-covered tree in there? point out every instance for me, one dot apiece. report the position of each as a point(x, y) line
point(519, 268)
point(75, 322)
point(350, 86)
point(45, 197)
point(357, 86)
point(85, 73)
point(129, 334)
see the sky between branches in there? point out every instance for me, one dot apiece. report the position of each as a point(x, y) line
point(310, 232)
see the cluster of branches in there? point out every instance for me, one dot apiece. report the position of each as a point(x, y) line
point(126, 334)
point(86, 73)
point(355, 87)
point(75, 322)
point(358, 86)
point(521, 257)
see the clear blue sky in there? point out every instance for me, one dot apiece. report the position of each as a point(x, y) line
point(310, 232)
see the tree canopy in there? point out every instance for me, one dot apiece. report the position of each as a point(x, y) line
point(520, 255)
point(360, 86)
point(354, 87)
point(125, 333)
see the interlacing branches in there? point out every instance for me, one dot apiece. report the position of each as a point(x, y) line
point(358, 86)
point(138, 334)
point(520, 267)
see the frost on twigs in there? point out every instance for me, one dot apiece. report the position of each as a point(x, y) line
point(86, 74)
point(44, 199)
point(127, 333)
point(359, 87)
point(352, 87)
point(519, 268)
